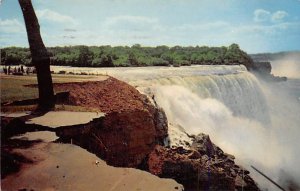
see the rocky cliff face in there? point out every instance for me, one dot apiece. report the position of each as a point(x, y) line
point(131, 128)
point(204, 167)
point(123, 138)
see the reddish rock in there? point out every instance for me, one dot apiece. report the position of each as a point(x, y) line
point(131, 127)
point(128, 137)
point(200, 169)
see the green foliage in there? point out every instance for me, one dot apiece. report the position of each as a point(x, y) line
point(136, 55)
point(15, 56)
point(85, 57)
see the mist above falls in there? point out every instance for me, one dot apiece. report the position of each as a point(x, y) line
point(288, 66)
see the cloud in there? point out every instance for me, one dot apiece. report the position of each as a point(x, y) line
point(116, 31)
point(53, 16)
point(129, 22)
point(279, 16)
point(261, 15)
point(217, 25)
point(266, 29)
point(11, 26)
point(146, 30)
point(128, 27)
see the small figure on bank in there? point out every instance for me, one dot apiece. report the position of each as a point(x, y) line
point(9, 70)
point(22, 69)
point(5, 70)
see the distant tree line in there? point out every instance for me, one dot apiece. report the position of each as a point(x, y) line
point(136, 55)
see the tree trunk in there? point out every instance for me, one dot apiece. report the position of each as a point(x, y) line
point(40, 57)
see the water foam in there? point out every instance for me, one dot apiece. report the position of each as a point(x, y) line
point(257, 122)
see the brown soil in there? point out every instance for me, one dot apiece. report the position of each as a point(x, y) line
point(68, 167)
point(108, 96)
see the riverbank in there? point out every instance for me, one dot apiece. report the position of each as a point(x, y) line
point(132, 130)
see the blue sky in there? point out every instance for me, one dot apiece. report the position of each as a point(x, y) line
point(256, 25)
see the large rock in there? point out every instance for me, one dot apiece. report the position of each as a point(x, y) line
point(203, 145)
point(132, 126)
point(126, 138)
point(205, 167)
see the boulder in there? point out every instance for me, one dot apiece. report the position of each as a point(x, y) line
point(203, 145)
point(204, 167)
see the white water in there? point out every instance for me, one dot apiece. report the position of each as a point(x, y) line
point(271, 147)
point(258, 122)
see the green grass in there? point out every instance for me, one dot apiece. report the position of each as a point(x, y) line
point(13, 88)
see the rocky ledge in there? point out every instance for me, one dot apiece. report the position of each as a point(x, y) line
point(133, 133)
point(131, 128)
point(203, 167)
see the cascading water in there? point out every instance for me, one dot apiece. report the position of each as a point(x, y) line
point(239, 92)
point(254, 120)
point(242, 115)
point(257, 121)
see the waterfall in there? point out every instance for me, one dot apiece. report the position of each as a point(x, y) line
point(256, 121)
point(241, 92)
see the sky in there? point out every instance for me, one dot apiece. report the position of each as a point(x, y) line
point(256, 25)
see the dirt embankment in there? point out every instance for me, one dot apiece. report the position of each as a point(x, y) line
point(131, 128)
point(110, 95)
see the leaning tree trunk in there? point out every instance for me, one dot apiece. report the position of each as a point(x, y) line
point(40, 56)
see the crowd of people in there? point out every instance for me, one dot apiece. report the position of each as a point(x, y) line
point(18, 70)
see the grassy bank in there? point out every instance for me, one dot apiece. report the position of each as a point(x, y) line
point(15, 88)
